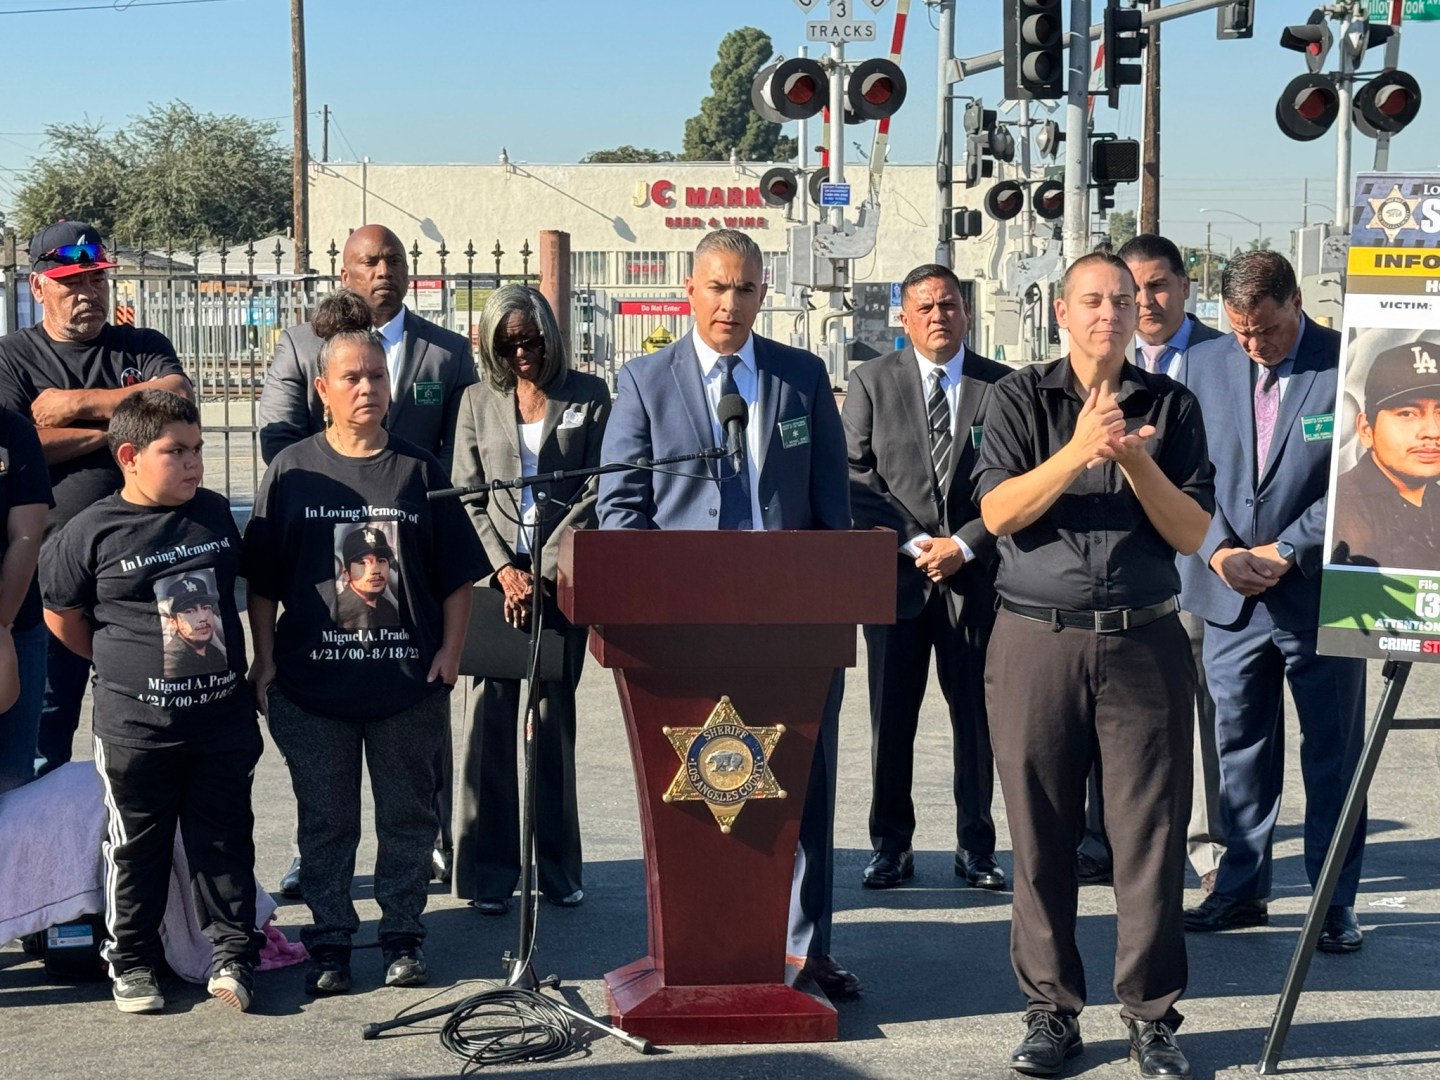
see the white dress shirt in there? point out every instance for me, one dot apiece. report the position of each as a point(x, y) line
point(747, 385)
point(529, 466)
point(953, 369)
point(393, 334)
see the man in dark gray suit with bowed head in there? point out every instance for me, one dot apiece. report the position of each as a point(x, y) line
point(794, 477)
point(429, 369)
point(1268, 394)
point(913, 422)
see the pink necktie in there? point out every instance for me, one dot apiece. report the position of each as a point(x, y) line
point(1267, 407)
point(1153, 354)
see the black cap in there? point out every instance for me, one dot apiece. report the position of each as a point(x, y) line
point(45, 243)
point(367, 540)
point(1405, 372)
point(189, 592)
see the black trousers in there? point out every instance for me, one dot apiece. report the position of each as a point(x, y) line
point(487, 855)
point(1057, 701)
point(207, 794)
point(899, 668)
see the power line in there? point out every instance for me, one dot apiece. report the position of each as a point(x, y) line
point(117, 5)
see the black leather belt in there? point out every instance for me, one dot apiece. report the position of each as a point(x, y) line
point(1111, 621)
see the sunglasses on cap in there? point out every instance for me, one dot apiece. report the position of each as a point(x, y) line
point(76, 254)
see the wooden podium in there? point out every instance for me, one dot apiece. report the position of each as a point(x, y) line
point(686, 619)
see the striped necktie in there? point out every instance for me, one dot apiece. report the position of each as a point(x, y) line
point(937, 409)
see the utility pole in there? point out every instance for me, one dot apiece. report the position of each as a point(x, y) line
point(1149, 221)
point(944, 125)
point(299, 188)
point(325, 133)
point(1345, 92)
point(1205, 276)
point(1077, 141)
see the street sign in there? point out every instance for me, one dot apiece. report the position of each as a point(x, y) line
point(657, 340)
point(1383, 11)
point(840, 31)
point(834, 194)
point(876, 5)
point(806, 5)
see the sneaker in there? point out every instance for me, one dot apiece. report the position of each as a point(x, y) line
point(234, 984)
point(136, 991)
point(404, 962)
point(329, 971)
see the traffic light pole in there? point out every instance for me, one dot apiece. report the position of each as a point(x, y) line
point(945, 132)
point(1077, 142)
point(837, 130)
point(1344, 92)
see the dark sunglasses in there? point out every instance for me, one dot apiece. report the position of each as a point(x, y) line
point(76, 254)
point(507, 346)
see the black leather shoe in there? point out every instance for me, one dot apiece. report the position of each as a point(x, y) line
point(1089, 871)
point(491, 907)
point(290, 883)
point(1217, 912)
point(979, 870)
point(1341, 932)
point(1050, 1041)
point(404, 962)
point(887, 869)
point(329, 971)
point(1153, 1048)
point(833, 980)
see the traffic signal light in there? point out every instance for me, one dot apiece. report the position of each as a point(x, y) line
point(792, 90)
point(1104, 198)
point(818, 177)
point(1034, 50)
point(1005, 200)
point(1235, 20)
point(876, 89)
point(779, 186)
point(986, 142)
point(1313, 39)
point(1123, 40)
point(1307, 107)
point(1049, 138)
point(967, 224)
point(1385, 104)
point(1115, 161)
point(1048, 199)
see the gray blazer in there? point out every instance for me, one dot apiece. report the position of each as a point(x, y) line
point(435, 368)
point(487, 447)
point(1199, 333)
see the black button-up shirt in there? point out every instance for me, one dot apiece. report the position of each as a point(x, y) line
point(1377, 526)
point(1094, 548)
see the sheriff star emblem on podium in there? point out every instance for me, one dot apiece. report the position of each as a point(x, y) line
point(724, 763)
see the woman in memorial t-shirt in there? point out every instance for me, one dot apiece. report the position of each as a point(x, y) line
point(375, 584)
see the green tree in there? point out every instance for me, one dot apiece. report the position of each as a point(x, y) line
point(170, 175)
point(727, 121)
point(626, 155)
point(1262, 244)
point(1122, 228)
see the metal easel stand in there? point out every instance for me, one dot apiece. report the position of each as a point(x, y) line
point(1395, 673)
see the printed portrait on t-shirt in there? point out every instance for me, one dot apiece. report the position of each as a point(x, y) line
point(367, 584)
point(189, 606)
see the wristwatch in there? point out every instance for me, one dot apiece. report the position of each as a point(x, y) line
point(1285, 550)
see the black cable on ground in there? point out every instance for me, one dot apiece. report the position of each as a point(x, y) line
point(506, 1026)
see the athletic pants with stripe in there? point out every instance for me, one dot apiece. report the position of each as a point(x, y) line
point(148, 792)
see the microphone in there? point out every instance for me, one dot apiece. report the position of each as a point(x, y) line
point(733, 414)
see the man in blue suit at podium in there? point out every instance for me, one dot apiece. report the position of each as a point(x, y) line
point(793, 475)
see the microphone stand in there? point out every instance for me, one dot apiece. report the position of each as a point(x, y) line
point(521, 979)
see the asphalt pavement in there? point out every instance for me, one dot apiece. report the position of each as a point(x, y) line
point(939, 1000)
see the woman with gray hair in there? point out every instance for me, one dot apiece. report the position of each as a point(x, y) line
point(528, 414)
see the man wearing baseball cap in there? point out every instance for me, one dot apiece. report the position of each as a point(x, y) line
point(367, 558)
point(192, 650)
point(1387, 511)
point(67, 374)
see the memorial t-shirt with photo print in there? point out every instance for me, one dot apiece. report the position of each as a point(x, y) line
point(158, 583)
point(361, 562)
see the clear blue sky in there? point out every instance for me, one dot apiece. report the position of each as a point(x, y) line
point(454, 80)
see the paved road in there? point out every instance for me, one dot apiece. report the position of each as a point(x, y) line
point(940, 998)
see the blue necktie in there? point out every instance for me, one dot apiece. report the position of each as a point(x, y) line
point(734, 491)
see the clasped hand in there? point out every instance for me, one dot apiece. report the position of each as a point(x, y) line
point(518, 587)
point(1100, 431)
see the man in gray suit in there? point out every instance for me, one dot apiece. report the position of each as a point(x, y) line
point(794, 476)
point(913, 422)
point(429, 368)
point(1164, 334)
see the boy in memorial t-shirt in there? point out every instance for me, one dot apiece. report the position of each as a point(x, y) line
point(143, 582)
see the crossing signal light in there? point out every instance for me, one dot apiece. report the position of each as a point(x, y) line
point(1034, 50)
point(1123, 40)
point(792, 90)
point(1235, 20)
point(1386, 104)
point(779, 186)
point(1048, 199)
point(1049, 139)
point(1308, 106)
point(818, 177)
point(876, 89)
point(1115, 161)
point(1313, 39)
point(968, 223)
point(1005, 200)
